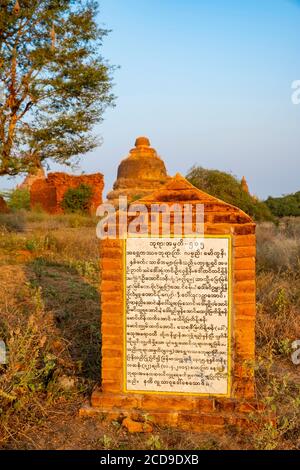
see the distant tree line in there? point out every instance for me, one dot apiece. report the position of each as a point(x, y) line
point(285, 206)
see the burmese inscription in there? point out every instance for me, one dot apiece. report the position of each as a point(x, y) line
point(177, 315)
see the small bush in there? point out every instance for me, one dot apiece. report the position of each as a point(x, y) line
point(77, 199)
point(18, 199)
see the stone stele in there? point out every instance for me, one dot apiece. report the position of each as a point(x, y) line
point(141, 173)
point(177, 324)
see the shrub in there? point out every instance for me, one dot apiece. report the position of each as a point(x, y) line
point(227, 188)
point(17, 199)
point(77, 199)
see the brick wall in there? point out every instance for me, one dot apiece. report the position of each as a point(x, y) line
point(49, 193)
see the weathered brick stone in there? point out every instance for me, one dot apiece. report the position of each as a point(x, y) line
point(105, 400)
point(109, 362)
point(244, 240)
point(244, 251)
point(111, 297)
point(160, 402)
point(245, 310)
point(245, 286)
point(110, 286)
point(109, 329)
point(244, 275)
point(111, 265)
point(243, 298)
point(112, 374)
point(244, 264)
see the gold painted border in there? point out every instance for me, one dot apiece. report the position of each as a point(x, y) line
point(229, 321)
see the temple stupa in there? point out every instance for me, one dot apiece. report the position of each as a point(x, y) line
point(141, 173)
point(245, 185)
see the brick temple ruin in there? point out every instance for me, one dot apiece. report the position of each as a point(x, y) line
point(48, 193)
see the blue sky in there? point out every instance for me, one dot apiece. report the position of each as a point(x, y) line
point(209, 82)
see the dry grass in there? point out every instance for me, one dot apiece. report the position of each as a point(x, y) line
point(49, 308)
point(278, 248)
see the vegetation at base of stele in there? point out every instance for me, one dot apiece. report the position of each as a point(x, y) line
point(228, 188)
point(49, 304)
point(77, 199)
point(54, 83)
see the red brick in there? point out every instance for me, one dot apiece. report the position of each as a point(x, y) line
point(153, 402)
point(111, 387)
point(106, 400)
point(244, 251)
point(112, 308)
point(112, 330)
point(244, 263)
point(112, 362)
point(205, 404)
point(214, 420)
point(114, 297)
point(245, 310)
point(245, 275)
point(112, 374)
point(112, 320)
point(108, 352)
point(112, 276)
point(111, 264)
point(244, 240)
point(111, 286)
point(245, 287)
point(110, 340)
point(111, 253)
point(243, 298)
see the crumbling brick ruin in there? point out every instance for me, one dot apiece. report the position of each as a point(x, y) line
point(49, 193)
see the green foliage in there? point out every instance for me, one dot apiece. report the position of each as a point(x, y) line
point(285, 206)
point(77, 199)
point(54, 83)
point(17, 199)
point(227, 188)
